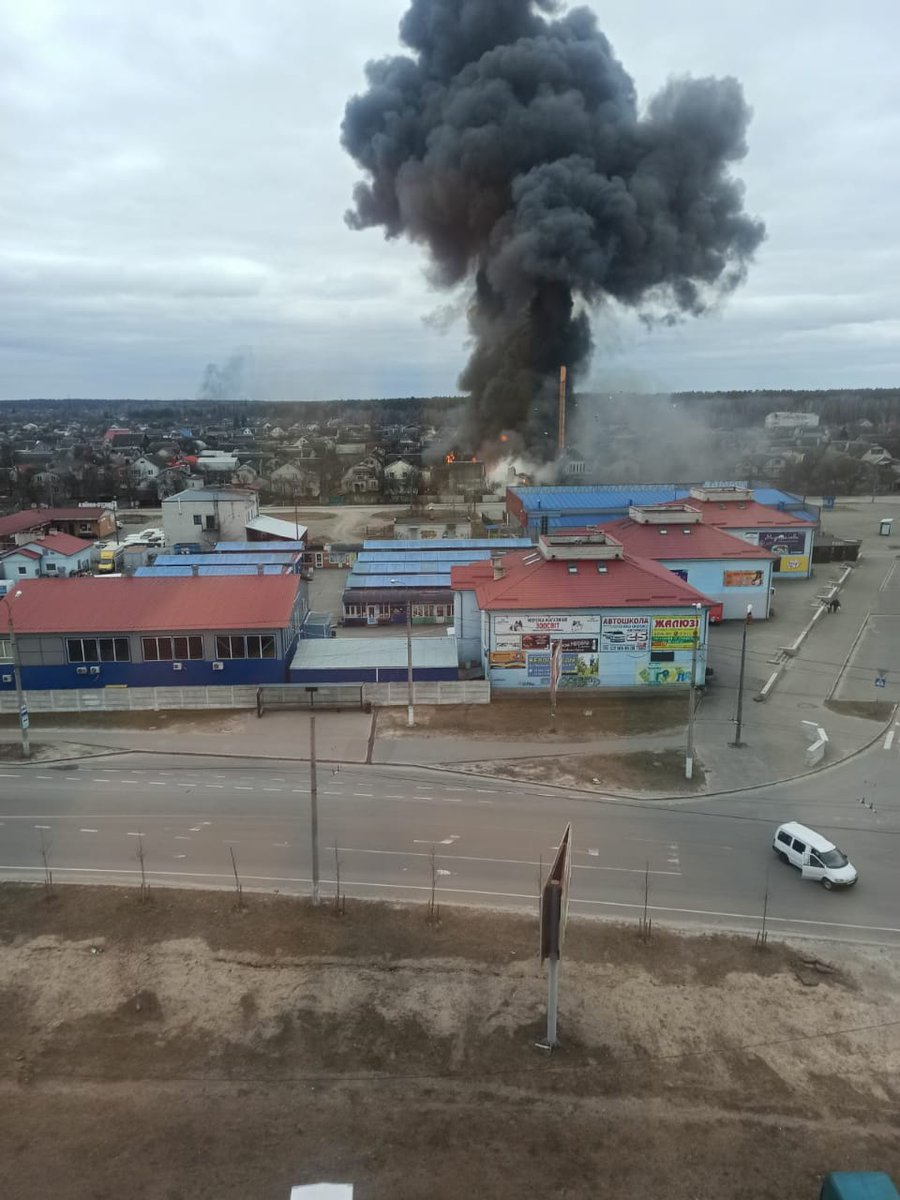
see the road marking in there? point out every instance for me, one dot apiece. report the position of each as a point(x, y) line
point(131, 834)
point(889, 740)
point(328, 792)
point(195, 828)
point(447, 841)
point(214, 785)
point(92, 781)
point(180, 856)
point(239, 787)
point(280, 845)
point(50, 777)
point(42, 826)
point(299, 791)
point(181, 837)
point(157, 783)
point(124, 781)
point(367, 795)
point(273, 789)
point(594, 853)
point(10, 776)
point(88, 830)
point(441, 871)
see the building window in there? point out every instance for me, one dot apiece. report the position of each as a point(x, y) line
point(168, 649)
point(245, 646)
point(352, 610)
point(5, 649)
point(91, 650)
point(198, 520)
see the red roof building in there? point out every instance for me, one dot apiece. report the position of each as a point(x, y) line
point(92, 522)
point(620, 621)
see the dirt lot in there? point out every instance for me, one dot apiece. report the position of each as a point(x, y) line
point(528, 719)
point(184, 1049)
point(648, 771)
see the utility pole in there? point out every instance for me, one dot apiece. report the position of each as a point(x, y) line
point(410, 711)
point(692, 700)
point(738, 721)
point(17, 676)
point(314, 810)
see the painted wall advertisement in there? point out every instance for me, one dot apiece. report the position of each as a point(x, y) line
point(579, 663)
point(660, 674)
point(625, 633)
point(742, 579)
point(545, 623)
point(674, 633)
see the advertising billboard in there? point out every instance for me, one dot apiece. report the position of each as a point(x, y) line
point(545, 623)
point(660, 674)
point(674, 633)
point(794, 565)
point(624, 633)
point(508, 659)
point(743, 578)
point(784, 541)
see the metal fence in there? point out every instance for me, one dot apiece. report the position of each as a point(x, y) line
point(132, 699)
point(448, 691)
point(335, 697)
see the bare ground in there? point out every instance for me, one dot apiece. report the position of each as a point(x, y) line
point(869, 710)
point(183, 1048)
point(527, 719)
point(650, 771)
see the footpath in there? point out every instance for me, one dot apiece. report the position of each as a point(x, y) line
point(827, 682)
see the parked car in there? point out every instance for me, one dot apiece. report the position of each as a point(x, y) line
point(813, 855)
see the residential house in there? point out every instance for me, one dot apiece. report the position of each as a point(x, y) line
point(57, 555)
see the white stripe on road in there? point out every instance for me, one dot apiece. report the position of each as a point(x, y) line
point(88, 830)
point(238, 787)
point(889, 740)
point(157, 783)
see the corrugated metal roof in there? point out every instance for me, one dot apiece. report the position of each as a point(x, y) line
point(539, 584)
point(256, 547)
point(447, 544)
point(361, 582)
point(123, 605)
point(446, 556)
point(681, 541)
point(31, 517)
point(226, 568)
point(323, 654)
point(209, 494)
point(547, 501)
point(406, 568)
point(215, 560)
point(63, 543)
point(744, 514)
point(277, 527)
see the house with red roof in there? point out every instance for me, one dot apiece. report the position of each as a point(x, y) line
point(57, 556)
point(734, 572)
point(579, 599)
point(733, 510)
point(87, 521)
point(98, 632)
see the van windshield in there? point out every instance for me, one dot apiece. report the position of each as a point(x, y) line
point(834, 858)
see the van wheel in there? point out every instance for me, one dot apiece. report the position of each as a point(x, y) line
point(827, 884)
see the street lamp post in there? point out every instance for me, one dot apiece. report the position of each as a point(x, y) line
point(410, 686)
point(692, 698)
point(739, 718)
point(17, 675)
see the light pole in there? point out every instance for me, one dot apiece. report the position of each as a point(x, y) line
point(738, 720)
point(692, 698)
point(17, 674)
point(314, 810)
point(410, 711)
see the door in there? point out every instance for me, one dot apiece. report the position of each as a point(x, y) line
point(814, 869)
point(372, 614)
point(797, 852)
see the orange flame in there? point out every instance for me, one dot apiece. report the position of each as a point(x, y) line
point(503, 437)
point(450, 458)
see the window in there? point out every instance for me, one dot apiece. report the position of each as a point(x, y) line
point(800, 847)
point(5, 649)
point(784, 838)
point(815, 861)
point(51, 568)
point(198, 520)
point(245, 646)
point(23, 570)
point(91, 650)
point(662, 655)
point(167, 649)
point(210, 522)
point(352, 610)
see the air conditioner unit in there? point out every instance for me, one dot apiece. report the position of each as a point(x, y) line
point(95, 670)
point(81, 670)
point(7, 678)
point(177, 666)
point(217, 666)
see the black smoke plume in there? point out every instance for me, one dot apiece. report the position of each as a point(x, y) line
point(511, 145)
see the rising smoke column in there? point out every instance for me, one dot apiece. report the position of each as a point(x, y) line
point(511, 145)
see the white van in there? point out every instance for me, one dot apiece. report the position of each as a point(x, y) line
point(813, 855)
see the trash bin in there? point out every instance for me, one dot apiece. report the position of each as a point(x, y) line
point(885, 527)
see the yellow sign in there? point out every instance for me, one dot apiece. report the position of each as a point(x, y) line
point(508, 659)
point(794, 564)
point(674, 633)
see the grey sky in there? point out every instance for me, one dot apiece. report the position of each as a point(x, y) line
point(172, 189)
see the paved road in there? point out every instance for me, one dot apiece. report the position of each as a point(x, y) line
point(708, 860)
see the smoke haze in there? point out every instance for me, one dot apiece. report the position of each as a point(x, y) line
point(509, 142)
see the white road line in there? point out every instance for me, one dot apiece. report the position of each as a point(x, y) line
point(180, 856)
point(328, 792)
point(42, 827)
point(88, 830)
point(181, 837)
point(300, 791)
point(132, 834)
point(214, 785)
point(129, 781)
point(367, 795)
point(889, 740)
point(51, 777)
point(19, 776)
point(92, 781)
point(273, 789)
point(157, 783)
point(239, 787)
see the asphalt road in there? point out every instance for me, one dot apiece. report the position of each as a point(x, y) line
point(709, 861)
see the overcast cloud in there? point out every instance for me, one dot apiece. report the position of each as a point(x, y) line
point(172, 189)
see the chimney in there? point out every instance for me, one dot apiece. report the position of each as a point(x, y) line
point(561, 438)
point(497, 566)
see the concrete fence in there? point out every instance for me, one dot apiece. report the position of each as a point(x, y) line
point(85, 700)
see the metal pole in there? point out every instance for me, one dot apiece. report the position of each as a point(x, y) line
point(410, 711)
point(689, 755)
point(552, 999)
point(740, 696)
point(314, 810)
point(17, 675)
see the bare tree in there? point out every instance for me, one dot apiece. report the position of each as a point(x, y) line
point(645, 924)
point(434, 912)
point(145, 886)
point(340, 900)
point(763, 935)
point(238, 889)
point(45, 859)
